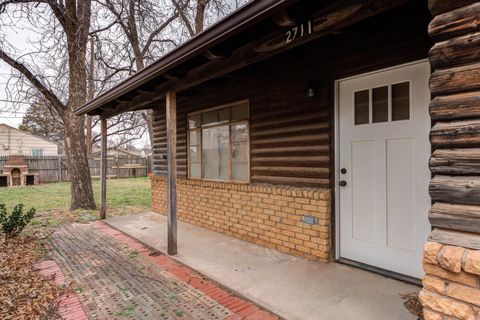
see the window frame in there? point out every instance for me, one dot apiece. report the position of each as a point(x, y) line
point(230, 123)
point(43, 152)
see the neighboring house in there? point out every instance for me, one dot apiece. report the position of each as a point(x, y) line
point(17, 142)
point(309, 127)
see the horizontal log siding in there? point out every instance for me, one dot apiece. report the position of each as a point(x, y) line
point(455, 108)
point(291, 136)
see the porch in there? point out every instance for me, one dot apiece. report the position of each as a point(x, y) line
point(311, 290)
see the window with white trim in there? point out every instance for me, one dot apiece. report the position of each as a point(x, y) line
point(37, 152)
point(218, 143)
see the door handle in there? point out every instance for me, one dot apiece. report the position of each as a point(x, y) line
point(342, 183)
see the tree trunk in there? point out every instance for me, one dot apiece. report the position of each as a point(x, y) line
point(80, 180)
point(75, 142)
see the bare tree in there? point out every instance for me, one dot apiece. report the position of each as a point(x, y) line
point(146, 30)
point(142, 34)
point(63, 29)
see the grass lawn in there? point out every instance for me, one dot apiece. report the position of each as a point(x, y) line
point(123, 196)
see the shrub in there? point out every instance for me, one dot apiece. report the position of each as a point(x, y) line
point(12, 224)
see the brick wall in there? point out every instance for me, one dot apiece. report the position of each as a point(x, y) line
point(451, 282)
point(264, 214)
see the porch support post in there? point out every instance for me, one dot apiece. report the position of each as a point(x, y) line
point(171, 120)
point(103, 170)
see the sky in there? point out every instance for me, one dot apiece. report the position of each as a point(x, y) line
point(19, 38)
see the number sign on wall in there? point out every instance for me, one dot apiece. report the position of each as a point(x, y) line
point(298, 31)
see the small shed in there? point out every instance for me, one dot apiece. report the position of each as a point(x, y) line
point(339, 131)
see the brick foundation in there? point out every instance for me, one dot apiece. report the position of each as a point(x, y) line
point(451, 282)
point(271, 216)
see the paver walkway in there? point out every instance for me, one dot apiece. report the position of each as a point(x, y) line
point(117, 277)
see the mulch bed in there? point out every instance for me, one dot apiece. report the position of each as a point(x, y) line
point(25, 294)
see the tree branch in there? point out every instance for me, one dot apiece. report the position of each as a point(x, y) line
point(48, 94)
point(157, 31)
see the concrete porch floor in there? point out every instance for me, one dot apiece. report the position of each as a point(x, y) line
point(291, 287)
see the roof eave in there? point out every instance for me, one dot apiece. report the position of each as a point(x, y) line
point(229, 26)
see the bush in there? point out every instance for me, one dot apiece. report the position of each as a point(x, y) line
point(14, 223)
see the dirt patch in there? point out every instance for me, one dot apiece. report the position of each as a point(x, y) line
point(25, 294)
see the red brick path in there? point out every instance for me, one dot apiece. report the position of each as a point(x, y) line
point(241, 308)
point(117, 277)
point(69, 306)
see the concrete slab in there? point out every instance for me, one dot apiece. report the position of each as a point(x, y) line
point(291, 287)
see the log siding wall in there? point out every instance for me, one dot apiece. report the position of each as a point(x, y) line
point(452, 255)
point(291, 136)
point(455, 136)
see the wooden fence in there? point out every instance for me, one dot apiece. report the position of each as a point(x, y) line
point(54, 168)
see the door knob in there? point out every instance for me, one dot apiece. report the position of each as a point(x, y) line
point(343, 183)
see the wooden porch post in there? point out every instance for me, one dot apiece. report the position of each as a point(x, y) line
point(171, 120)
point(103, 170)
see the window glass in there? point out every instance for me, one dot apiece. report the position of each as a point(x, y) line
point(215, 152)
point(194, 121)
point(380, 104)
point(240, 112)
point(224, 115)
point(210, 117)
point(401, 101)
point(361, 102)
point(194, 154)
point(37, 152)
point(240, 133)
point(240, 161)
point(218, 147)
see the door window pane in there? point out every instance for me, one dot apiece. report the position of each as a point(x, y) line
point(215, 152)
point(380, 104)
point(361, 107)
point(401, 101)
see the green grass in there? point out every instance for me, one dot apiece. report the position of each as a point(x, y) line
point(122, 194)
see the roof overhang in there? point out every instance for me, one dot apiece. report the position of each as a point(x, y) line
point(254, 32)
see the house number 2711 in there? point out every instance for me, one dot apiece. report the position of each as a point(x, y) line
point(299, 31)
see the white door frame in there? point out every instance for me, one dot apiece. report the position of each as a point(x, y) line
point(336, 144)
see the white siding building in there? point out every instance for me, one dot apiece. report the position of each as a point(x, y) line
point(17, 142)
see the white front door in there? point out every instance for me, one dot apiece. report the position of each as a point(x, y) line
point(383, 151)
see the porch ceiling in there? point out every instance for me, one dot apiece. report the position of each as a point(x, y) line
point(253, 33)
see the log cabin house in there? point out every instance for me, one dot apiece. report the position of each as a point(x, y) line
point(333, 130)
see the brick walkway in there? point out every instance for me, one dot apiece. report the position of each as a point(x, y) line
point(116, 277)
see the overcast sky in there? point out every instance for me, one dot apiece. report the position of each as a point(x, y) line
point(19, 38)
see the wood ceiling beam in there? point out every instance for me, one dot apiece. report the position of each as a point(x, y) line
point(283, 19)
point(212, 55)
